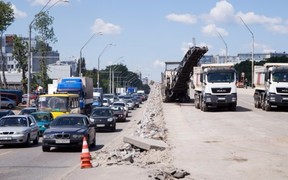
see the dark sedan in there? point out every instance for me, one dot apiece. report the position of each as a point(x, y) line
point(68, 131)
point(103, 118)
point(119, 113)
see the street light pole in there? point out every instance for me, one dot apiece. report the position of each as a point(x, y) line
point(98, 72)
point(252, 60)
point(110, 74)
point(30, 55)
point(225, 46)
point(80, 61)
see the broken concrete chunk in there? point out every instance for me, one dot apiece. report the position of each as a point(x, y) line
point(146, 144)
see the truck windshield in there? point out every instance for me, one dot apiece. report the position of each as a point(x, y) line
point(219, 77)
point(280, 76)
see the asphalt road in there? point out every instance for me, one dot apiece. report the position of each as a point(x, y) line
point(247, 144)
point(28, 163)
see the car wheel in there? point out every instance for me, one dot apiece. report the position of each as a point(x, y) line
point(36, 141)
point(10, 106)
point(113, 129)
point(45, 148)
point(27, 143)
point(93, 143)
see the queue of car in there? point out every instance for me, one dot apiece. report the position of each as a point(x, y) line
point(66, 130)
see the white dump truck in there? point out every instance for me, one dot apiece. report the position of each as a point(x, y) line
point(271, 85)
point(215, 86)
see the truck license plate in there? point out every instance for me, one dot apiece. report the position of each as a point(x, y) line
point(221, 98)
point(62, 141)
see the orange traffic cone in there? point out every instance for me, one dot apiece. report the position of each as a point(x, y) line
point(85, 155)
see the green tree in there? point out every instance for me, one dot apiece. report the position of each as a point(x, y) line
point(20, 51)
point(83, 67)
point(6, 19)
point(43, 25)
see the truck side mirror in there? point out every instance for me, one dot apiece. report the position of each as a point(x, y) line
point(201, 78)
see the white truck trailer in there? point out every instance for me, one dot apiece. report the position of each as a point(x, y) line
point(271, 85)
point(215, 86)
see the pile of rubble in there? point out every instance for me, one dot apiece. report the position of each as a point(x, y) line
point(146, 147)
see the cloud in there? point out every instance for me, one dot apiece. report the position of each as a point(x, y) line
point(182, 18)
point(222, 12)
point(252, 18)
point(158, 63)
point(281, 29)
point(263, 48)
point(106, 28)
point(212, 30)
point(17, 13)
point(44, 2)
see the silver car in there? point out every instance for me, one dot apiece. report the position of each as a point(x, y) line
point(18, 129)
point(7, 103)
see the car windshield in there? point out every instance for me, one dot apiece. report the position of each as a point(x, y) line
point(27, 111)
point(14, 121)
point(117, 108)
point(118, 104)
point(68, 121)
point(108, 96)
point(101, 112)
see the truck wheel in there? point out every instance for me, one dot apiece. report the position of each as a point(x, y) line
point(196, 102)
point(257, 104)
point(263, 104)
point(232, 107)
point(267, 106)
point(204, 107)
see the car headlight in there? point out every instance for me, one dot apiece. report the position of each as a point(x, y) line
point(77, 136)
point(92, 120)
point(110, 119)
point(48, 136)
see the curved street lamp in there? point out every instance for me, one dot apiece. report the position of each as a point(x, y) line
point(252, 60)
point(30, 58)
point(80, 61)
point(111, 72)
point(226, 50)
point(98, 72)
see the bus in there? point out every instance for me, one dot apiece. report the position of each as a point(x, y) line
point(59, 104)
